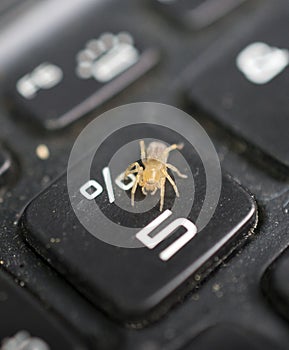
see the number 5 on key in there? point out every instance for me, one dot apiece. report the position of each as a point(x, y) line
point(152, 242)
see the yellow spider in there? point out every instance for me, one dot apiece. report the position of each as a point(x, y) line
point(154, 174)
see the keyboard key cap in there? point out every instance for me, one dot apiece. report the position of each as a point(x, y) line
point(27, 322)
point(197, 14)
point(133, 284)
point(73, 77)
point(244, 86)
point(228, 338)
point(276, 286)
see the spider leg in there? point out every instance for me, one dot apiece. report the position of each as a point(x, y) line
point(142, 150)
point(130, 169)
point(163, 181)
point(144, 191)
point(176, 170)
point(172, 183)
point(134, 188)
point(154, 191)
point(172, 147)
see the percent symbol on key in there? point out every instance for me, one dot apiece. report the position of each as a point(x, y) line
point(98, 189)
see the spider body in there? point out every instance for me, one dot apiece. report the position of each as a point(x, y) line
point(153, 175)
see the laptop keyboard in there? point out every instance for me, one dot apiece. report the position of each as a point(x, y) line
point(225, 63)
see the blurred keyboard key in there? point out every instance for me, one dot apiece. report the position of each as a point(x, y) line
point(244, 87)
point(24, 322)
point(58, 91)
point(224, 337)
point(276, 285)
point(197, 14)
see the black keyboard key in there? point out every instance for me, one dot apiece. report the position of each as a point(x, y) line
point(129, 283)
point(69, 77)
point(197, 14)
point(244, 86)
point(23, 320)
point(224, 337)
point(276, 286)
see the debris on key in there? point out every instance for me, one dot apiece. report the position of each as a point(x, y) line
point(42, 152)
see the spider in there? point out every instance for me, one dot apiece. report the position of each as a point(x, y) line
point(154, 174)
